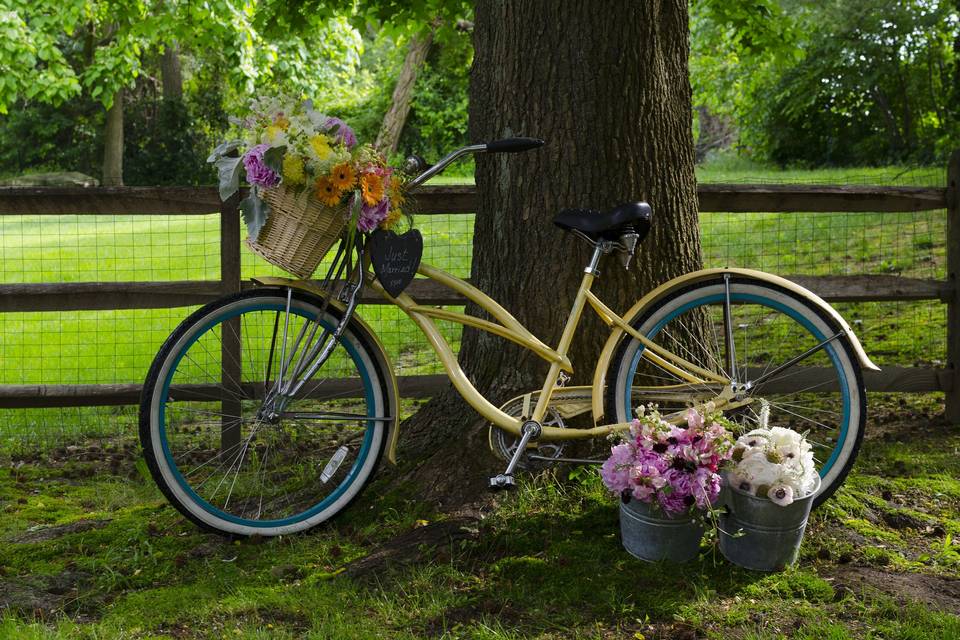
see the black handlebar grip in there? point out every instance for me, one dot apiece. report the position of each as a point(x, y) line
point(513, 145)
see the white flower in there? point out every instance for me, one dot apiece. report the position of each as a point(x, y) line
point(757, 470)
point(781, 494)
point(785, 438)
point(742, 484)
point(754, 440)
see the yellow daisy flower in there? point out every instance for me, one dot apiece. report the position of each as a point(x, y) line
point(343, 175)
point(272, 132)
point(393, 217)
point(396, 192)
point(321, 146)
point(372, 186)
point(326, 192)
point(293, 169)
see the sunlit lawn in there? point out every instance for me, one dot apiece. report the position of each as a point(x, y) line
point(89, 347)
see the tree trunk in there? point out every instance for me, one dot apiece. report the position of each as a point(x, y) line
point(396, 117)
point(113, 143)
point(170, 73)
point(606, 84)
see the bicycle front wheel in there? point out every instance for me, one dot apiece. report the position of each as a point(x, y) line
point(789, 354)
point(238, 433)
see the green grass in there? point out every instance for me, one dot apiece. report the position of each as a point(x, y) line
point(727, 167)
point(546, 563)
point(91, 347)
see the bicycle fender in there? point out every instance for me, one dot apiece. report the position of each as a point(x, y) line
point(383, 359)
point(603, 362)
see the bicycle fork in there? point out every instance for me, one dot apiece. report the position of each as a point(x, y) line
point(313, 353)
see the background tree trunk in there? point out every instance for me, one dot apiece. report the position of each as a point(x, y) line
point(389, 136)
point(113, 143)
point(606, 84)
point(170, 72)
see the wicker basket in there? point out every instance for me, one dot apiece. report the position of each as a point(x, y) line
point(299, 230)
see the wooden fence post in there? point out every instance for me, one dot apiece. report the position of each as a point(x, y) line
point(230, 356)
point(953, 277)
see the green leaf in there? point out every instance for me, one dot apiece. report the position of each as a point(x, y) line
point(223, 149)
point(255, 213)
point(228, 171)
point(273, 158)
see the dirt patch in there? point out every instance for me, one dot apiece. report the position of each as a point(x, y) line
point(465, 615)
point(431, 541)
point(902, 420)
point(936, 591)
point(41, 597)
point(49, 533)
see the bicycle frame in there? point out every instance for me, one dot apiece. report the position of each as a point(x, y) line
point(511, 329)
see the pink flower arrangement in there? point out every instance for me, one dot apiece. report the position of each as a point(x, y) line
point(675, 467)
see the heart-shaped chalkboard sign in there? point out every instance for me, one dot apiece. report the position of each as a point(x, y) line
point(395, 258)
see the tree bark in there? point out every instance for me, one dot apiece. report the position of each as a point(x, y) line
point(113, 143)
point(396, 116)
point(170, 72)
point(606, 84)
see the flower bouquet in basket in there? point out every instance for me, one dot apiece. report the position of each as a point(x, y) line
point(668, 477)
point(309, 180)
point(772, 483)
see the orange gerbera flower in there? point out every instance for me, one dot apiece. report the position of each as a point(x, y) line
point(343, 176)
point(372, 186)
point(326, 192)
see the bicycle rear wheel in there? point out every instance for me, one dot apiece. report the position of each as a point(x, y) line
point(822, 393)
point(232, 453)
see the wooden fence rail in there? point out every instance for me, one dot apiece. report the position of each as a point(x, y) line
point(732, 198)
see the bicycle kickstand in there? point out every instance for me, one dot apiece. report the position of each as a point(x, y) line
point(530, 430)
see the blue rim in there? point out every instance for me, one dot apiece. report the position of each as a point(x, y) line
point(744, 297)
point(312, 511)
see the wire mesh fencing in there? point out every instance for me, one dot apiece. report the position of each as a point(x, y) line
point(115, 347)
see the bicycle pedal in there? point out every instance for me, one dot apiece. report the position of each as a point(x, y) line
point(502, 481)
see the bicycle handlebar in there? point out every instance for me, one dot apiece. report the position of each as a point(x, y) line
point(513, 145)
point(507, 145)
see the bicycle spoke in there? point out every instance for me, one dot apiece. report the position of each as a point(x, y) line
point(273, 471)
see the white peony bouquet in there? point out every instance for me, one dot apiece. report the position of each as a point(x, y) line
point(774, 462)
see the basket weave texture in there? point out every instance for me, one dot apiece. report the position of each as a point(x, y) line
point(299, 230)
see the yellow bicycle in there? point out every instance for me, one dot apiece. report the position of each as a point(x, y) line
point(284, 437)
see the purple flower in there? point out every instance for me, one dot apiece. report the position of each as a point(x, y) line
point(257, 172)
point(616, 469)
point(370, 217)
point(672, 503)
point(344, 133)
point(706, 487)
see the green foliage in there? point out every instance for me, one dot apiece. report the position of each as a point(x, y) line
point(831, 83)
point(76, 54)
point(872, 88)
point(163, 145)
point(41, 137)
point(438, 118)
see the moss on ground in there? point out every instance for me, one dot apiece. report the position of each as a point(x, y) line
point(91, 550)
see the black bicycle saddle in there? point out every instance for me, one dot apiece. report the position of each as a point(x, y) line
point(607, 225)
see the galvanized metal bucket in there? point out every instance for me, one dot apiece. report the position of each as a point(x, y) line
point(650, 535)
point(758, 534)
